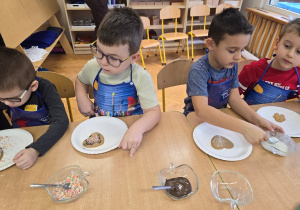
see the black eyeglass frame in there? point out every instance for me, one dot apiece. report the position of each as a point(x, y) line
point(93, 46)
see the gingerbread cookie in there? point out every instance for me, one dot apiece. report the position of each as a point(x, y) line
point(220, 142)
point(94, 140)
point(279, 117)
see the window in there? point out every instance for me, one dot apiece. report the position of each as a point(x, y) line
point(290, 8)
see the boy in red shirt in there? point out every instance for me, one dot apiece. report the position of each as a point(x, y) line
point(269, 81)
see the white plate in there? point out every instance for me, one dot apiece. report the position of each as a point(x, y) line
point(291, 125)
point(112, 129)
point(13, 141)
point(203, 134)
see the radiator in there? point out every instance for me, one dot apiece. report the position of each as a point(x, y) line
point(267, 26)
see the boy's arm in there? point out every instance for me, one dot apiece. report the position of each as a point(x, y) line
point(58, 119)
point(213, 116)
point(133, 137)
point(85, 105)
point(243, 109)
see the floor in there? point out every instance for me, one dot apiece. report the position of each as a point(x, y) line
point(70, 66)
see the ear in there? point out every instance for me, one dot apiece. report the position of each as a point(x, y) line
point(34, 85)
point(135, 57)
point(210, 44)
point(276, 44)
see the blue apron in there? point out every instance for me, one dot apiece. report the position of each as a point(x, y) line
point(22, 118)
point(116, 100)
point(218, 94)
point(263, 92)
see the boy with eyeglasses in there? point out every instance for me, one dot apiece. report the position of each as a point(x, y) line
point(121, 87)
point(30, 101)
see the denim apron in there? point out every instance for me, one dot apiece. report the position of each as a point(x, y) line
point(218, 94)
point(116, 100)
point(22, 118)
point(263, 92)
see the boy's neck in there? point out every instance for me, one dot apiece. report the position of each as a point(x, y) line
point(212, 62)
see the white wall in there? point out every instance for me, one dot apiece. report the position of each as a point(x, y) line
point(251, 4)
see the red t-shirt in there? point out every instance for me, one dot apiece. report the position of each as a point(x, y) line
point(252, 73)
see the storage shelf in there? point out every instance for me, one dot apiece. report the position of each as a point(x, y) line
point(154, 6)
point(37, 64)
point(82, 28)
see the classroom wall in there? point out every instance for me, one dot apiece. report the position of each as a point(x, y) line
point(251, 4)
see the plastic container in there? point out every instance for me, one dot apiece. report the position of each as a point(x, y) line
point(284, 147)
point(179, 171)
point(231, 187)
point(62, 176)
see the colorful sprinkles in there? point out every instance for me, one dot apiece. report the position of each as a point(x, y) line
point(7, 144)
point(62, 194)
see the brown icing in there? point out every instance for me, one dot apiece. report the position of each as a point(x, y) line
point(279, 117)
point(1, 153)
point(220, 142)
point(94, 140)
point(180, 186)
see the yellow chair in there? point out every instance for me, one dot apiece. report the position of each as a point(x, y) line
point(171, 12)
point(173, 74)
point(64, 86)
point(148, 43)
point(221, 7)
point(198, 10)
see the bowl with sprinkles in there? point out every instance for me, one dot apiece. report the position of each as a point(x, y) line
point(70, 174)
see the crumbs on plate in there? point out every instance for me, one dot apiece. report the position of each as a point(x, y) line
point(7, 144)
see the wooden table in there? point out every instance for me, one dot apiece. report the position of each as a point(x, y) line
point(275, 180)
point(116, 180)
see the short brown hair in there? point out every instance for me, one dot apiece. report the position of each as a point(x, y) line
point(121, 26)
point(291, 27)
point(16, 69)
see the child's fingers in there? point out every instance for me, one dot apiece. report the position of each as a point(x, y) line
point(132, 151)
point(18, 155)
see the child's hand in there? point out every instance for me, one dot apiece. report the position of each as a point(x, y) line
point(269, 126)
point(26, 158)
point(131, 141)
point(254, 134)
point(86, 107)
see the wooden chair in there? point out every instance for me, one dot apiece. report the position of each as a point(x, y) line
point(148, 43)
point(243, 63)
point(198, 10)
point(64, 86)
point(173, 74)
point(171, 12)
point(221, 7)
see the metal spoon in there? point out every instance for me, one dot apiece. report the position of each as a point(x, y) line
point(161, 187)
point(273, 140)
point(65, 186)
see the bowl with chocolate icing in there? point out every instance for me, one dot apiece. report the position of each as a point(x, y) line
point(182, 179)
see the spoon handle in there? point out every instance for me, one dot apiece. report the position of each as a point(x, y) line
point(44, 185)
point(161, 187)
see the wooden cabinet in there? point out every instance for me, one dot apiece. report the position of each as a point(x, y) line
point(20, 18)
point(80, 23)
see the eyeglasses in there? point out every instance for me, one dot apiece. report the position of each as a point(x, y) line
point(16, 99)
point(114, 62)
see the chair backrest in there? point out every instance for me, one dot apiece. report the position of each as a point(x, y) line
point(199, 10)
point(243, 63)
point(146, 21)
point(173, 74)
point(221, 7)
point(64, 85)
point(169, 12)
